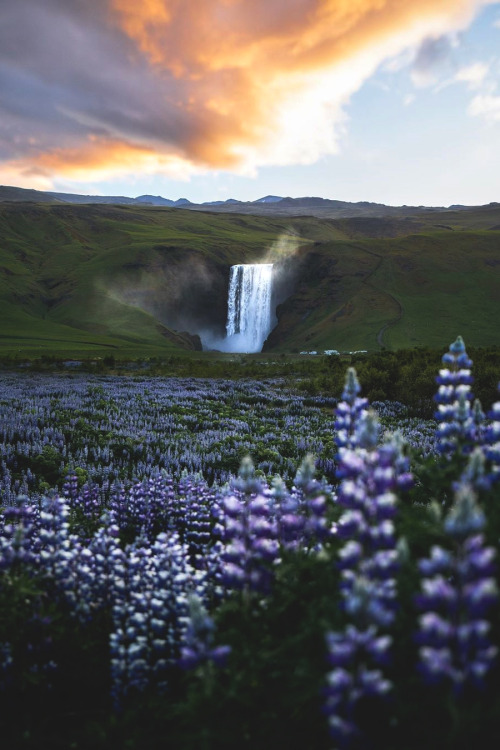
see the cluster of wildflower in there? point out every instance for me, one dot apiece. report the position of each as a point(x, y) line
point(101, 430)
point(144, 586)
point(153, 583)
point(458, 588)
point(148, 543)
point(459, 423)
point(349, 410)
point(418, 434)
point(17, 534)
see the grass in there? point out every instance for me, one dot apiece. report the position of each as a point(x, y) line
point(87, 278)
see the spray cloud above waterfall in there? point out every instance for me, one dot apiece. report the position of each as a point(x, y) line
point(283, 249)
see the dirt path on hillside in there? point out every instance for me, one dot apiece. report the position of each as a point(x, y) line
point(380, 334)
point(383, 329)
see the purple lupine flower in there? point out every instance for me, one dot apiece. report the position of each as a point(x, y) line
point(310, 502)
point(18, 540)
point(492, 439)
point(459, 425)
point(149, 613)
point(54, 537)
point(198, 648)
point(349, 410)
point(369, 559)
point(356, 656)
point(457, 591)
point(371, 474)
point(246, 526)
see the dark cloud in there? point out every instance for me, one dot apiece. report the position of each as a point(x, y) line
point(432, 54)
point(64, 74)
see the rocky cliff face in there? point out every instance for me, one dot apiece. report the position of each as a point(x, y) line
point(302, 284)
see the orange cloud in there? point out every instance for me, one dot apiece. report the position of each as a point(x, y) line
point(276, 35)
point(180, 86)
point(248, 66)
point(96, 159)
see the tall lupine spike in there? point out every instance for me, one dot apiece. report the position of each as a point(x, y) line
point(149, 613)
point(246, 482)
point(351, 386)
point(278, 488)
point(305, 476)
point(289, 516)
point(198, 648)
point(247, 528)
point(475, 472)
point(118, 505)
point(18, 537)
point(459, 426)
point(370, 474)
point(311, 505)
point(54, 536)
point(348, 410)
point(458, 589)
point(492, 439)
point(102, 554)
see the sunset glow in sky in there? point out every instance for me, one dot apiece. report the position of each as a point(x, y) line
point(394, 101)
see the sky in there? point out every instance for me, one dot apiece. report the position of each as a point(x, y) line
point(392, 101)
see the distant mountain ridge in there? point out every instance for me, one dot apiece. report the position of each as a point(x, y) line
point(267, 205)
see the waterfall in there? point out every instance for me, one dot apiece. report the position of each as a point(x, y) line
point(249, 306)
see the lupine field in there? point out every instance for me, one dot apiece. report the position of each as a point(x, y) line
point(207, 563)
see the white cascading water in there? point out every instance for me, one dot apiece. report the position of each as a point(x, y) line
point(249, 306)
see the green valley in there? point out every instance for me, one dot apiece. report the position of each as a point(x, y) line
point(128, 280)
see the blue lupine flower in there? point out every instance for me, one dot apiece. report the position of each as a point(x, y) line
point(460, 426)
point(198, 648)
point(247, 528)
point(457, 592)
point(492, 439)
point(349, 410)
point(353, 655)
point(150, 613)
point(369, 559)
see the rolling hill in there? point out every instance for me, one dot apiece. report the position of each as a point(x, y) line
point(136, 280)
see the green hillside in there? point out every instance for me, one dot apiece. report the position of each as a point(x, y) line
point(137, 281)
